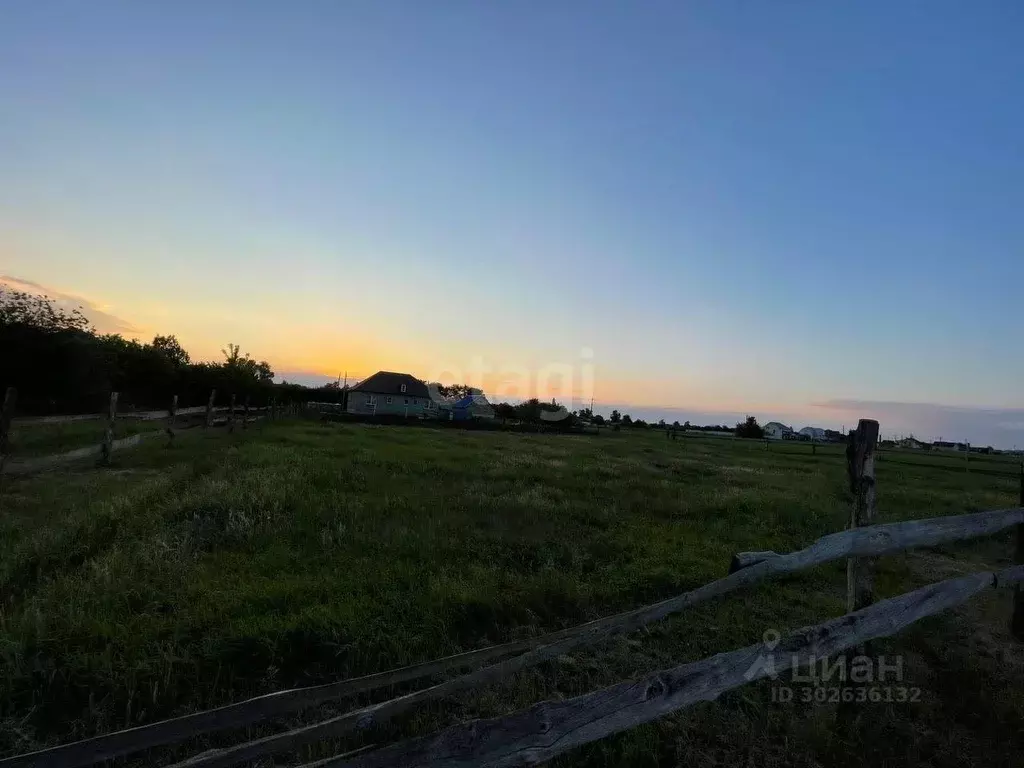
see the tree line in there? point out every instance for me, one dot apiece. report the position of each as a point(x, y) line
point(61, 364)
point(529, 411)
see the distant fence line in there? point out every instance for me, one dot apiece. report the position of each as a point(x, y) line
point(226, 415)
point(28, 421)
point(553, 727)
point(945, 459)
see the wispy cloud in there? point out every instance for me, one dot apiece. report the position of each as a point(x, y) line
point(98, 315)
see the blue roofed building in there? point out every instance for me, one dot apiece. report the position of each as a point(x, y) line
point(472, 406)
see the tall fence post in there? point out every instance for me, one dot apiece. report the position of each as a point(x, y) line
point(245, 413)
point(231, 414)
point(171, 413)
point(860, 458)
point(108, 433)
point(1017, 624)
point(10, 400)
point(860, 468)
point(209, 408)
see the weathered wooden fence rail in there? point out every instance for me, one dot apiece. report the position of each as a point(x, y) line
point(30, 421)
point(107, 443)
point(551, 728)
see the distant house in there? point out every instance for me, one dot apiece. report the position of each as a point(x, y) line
point(944, 445)
point(558, 415)
point(387, 393)
point(911, 442)
point(778, 431)
point(834, 436)
point(812, 433)
point(472, 406)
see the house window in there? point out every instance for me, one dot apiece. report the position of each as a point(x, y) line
point(407, 401)
point(414, 401)
point(389, 399)
point(369, 399)
point(403, 388)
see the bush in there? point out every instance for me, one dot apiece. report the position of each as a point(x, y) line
point(749, 428)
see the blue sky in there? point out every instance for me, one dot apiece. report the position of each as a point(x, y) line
point(736, 205)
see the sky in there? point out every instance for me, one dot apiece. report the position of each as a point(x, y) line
point(809, 211)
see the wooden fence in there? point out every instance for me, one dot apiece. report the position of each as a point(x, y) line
point(999, 464)
point(554, 727)
point(107, 445)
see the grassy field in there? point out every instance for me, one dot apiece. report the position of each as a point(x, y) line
point(33, 441)
point(297, 553)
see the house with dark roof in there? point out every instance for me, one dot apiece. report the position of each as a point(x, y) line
point(387, 393)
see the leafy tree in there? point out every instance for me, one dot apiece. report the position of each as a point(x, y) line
point(749, 428)
point(264, 372)
point(627, 420)
point(232, 355)
point(529, 411)
point(454, 391)
point(504, 411)
point(675, 424)
point(40, 312)
point(616, 417)
point(686, 425)
point(243, 368)
point(49, 353)
point(169, 347)
point(599, 419)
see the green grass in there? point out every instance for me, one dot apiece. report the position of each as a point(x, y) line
point(35, 440)
point(296, 553)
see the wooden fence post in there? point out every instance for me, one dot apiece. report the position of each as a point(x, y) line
point(860, 458)
point(171, 413)
point(209, 408)
point(1017, 624)
point(108, 433)
point(231, 414)
point(860, 468)
point(10, 400)
point(245, 413)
